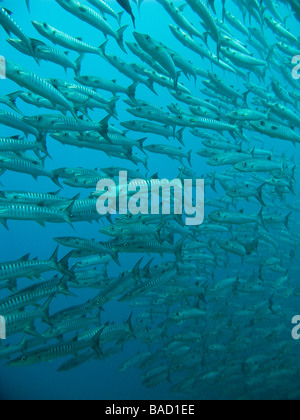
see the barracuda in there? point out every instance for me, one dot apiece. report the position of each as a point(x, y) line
point(180, 19)
point(106, 9)
point(214, 125)
point(151, 285)
point(21, 197)
point(36, 84)
point(247, 191)
point(17, 164)
point(158, 78)
point(236, 218)
point(191, 100)
point(127, 70)
point(187, 41)
point(283, 94)
point(52, 352)
point(83, 181)
point(152, 115)
point(11, 26)
point(47, 53)
point(24, 321)
point(40, 215)
point(120, 333)
point(228, 159)
point(243, 60)
point(31, 269)
point(97, 248)
point(11, 350)
point(38, 101)
point(149, 247)
point(226, 90)
point(208, 20)
point(236, 23)
point(280, 30)
point(15, 144)
point(284, 113)
point(67, 326)
point(16, 121)
point(139, 229)
point(147, 127)
point(89, 15)
point(64, 40)
point(53, 123)
point(146, 58)
point(10, 101)
point(62, 85)
point(257, 165)
point(274, 130)
point(108, 85)
point(174, 152)
point(30, 295)
point(247, 115)
point(159, 52)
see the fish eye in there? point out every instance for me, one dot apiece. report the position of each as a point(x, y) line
point(126, 245)
point(24, 358)
point(245, 164)
point(112, 228)
point(147, 37)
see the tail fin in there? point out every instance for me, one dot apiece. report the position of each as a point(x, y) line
point(287, 220)
point(131, 91)
point(129, 323)
point(140, 144)
point(149, 84)
point(63, 287)
point(261, 218)
point(54, 258)
point(179, 136)
point(55, 179)
point(120, 17)
point(103, 127)
point(41, 140)
point(68, 213)
point(63, 264)
point(259, 194)
point(136, 270)
point(44, 311)
point(120, 38)
point(112, 105)
point(78, 63)
point(178, 251)
point(12, 99)
point(102, 48)
point(190, 158)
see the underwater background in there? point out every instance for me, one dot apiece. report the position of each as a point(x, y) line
point(100, 379)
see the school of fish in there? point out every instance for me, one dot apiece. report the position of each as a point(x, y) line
point(209, 306)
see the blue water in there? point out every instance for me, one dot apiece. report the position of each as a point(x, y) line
point(100, 379)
